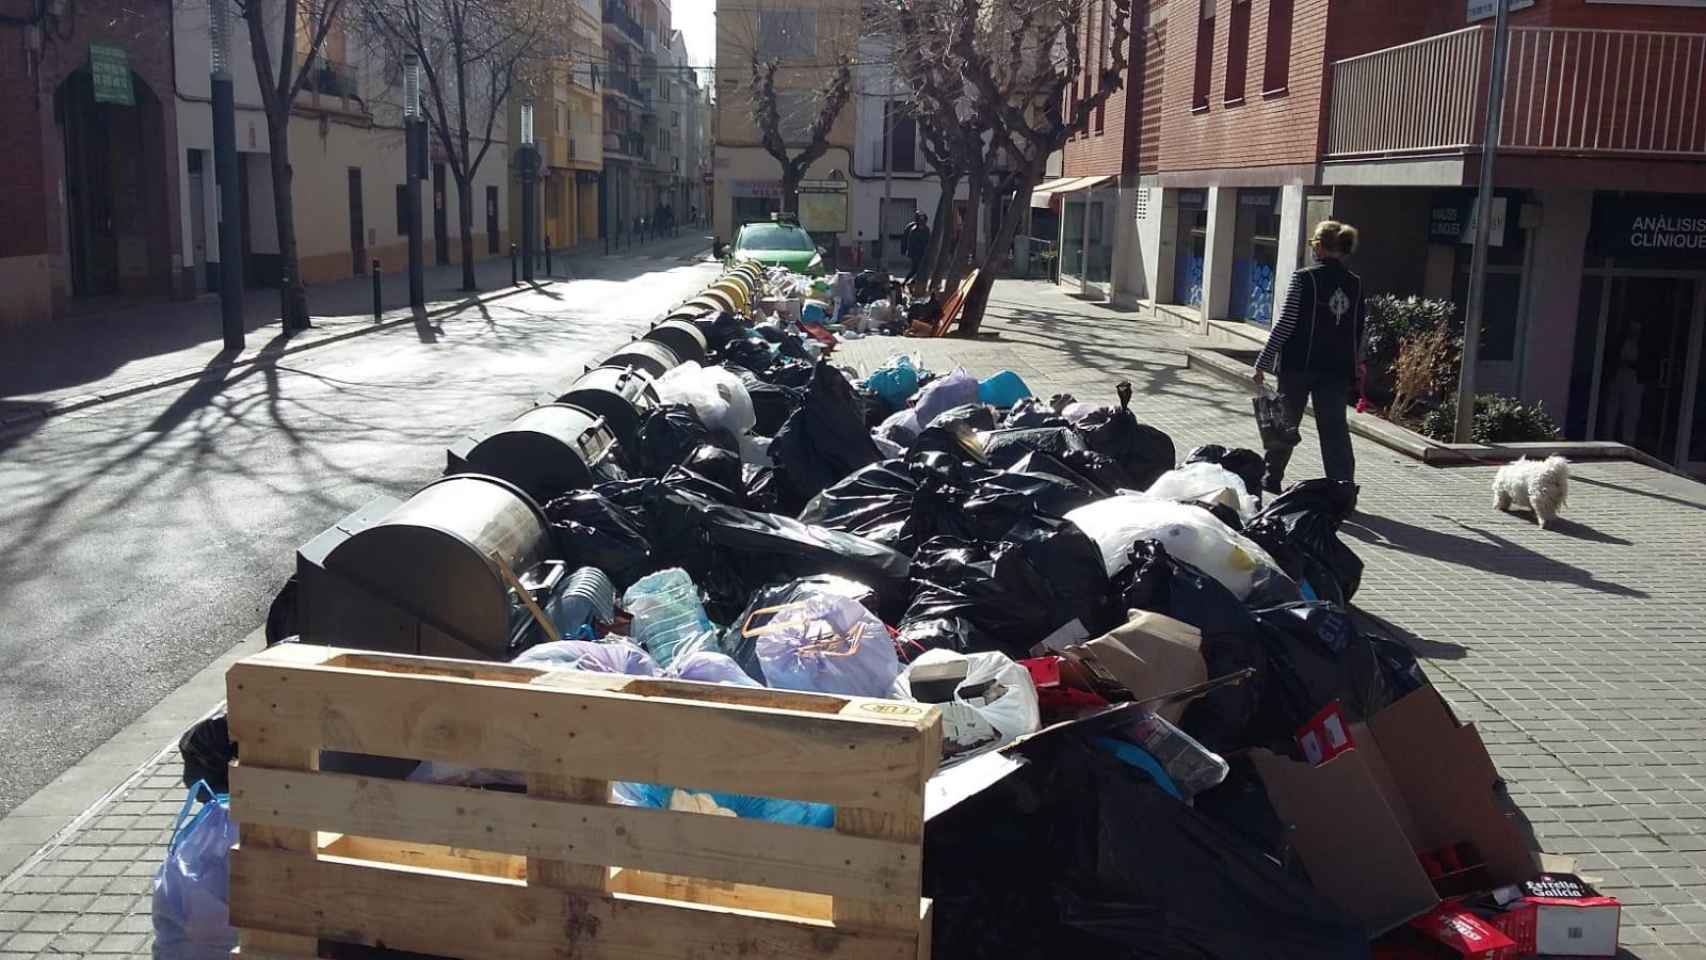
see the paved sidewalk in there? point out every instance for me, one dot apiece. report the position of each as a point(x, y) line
point(89, 357)
point(1577, 651)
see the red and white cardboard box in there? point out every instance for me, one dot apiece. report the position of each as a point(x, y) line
point(1558, 915)
point(1466, 934)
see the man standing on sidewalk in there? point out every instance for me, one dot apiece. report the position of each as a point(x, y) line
point(1315, 348)
point(915, 242)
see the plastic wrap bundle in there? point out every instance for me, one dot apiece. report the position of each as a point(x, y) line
point(1189, 533)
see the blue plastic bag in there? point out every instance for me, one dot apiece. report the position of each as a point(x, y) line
point(895, 381)
point(192, 918)
point(1002, 389)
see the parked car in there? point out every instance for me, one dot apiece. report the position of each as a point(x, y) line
point(778, 243)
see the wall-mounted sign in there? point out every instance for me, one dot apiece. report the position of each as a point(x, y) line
point(1485, 9)
point(1193, 198)
point(109, 67)
point(1452, 218)
point(1649, 225)
point(761, 189)
point(1258, 198)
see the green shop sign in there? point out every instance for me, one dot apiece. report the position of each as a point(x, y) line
point(110, 68)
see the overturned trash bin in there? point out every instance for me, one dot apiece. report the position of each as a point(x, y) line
point(653, 356)
point(428, 576)
point(621, 395)
point(547, 451)
point(681, 336)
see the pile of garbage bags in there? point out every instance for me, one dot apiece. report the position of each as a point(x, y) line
point(1131, 629)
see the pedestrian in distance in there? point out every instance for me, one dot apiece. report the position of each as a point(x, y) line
point(915, 242)
point(1315, 350)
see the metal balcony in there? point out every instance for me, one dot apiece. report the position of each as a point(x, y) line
point(619, 24)
point(1567, 91)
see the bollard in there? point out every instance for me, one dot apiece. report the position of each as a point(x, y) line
point(514, 276)
point(378, 308)
point(547, 255)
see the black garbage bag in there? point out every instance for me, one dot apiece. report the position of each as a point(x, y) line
point(1032, 412)
point(772, 403)
point(1232, 640)
point(668, 435)
point(1005, 447)
point(760, 483)
point(1144, 451)
point(1316, 657)
point(284, 614)
point(903, 503)
point(1013, 592)
point(726, 327)
point(869, 286)
point(958, 441)
point(978, 416)
point(1300, 528)
point(823, 441)
point(731, 553)
point(914, 637)
point(1247, 464)
point(1077, 854)
point(719, 466)
point(748, 350)
point(740, 639)
point(788, 372)
point(591, 530)
point(207, 752)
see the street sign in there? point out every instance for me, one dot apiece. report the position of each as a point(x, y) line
point(823, 211)
point(823, 185)
point(109, 68)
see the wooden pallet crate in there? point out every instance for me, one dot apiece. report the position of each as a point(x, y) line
point(560, 871)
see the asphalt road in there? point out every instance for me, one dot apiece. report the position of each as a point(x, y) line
point(142, 538)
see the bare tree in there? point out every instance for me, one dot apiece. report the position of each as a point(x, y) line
point(767, 114)
point(281, 77)
point(1008, 69)
point(474, 55)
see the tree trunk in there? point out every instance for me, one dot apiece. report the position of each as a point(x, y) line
point(465, 220)
point(939, 237)
point(292, 296)
point(971, 316)
point(967, 246)
point(790, 190)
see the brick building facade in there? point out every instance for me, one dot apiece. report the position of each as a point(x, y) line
point(1275, 114)
point(89, 209)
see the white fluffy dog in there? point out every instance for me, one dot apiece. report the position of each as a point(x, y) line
point(1538, 485)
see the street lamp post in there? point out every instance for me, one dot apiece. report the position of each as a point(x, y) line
point(529, 160)
point(414, 142)
point(1483, 225)
point(225, 170)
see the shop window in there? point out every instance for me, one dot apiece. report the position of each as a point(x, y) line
point(1191, 244)
point(1276, 60)
point(1255, 256)
point(1237, 50)
point(1205, 58)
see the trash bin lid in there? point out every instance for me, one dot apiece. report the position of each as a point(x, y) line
point(547, 451)
point(653, 356)
point(621, 395)
point(682, 337)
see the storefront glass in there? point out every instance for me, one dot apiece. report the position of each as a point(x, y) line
point(1089, 256)
point(1255, 256)
point(1190, 246)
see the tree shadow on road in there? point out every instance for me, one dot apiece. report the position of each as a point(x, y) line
point(1491, 554)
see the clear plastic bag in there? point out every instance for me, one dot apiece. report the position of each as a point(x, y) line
point(1196, 481)
point(995, 703)
point(1190, 533)
point(827, 643)
point(667, 611)
point(715, 394)
point(709, 666)
point(192, 918)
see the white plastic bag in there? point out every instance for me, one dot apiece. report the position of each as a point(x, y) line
point(994, 705)
point(1189, 533)
point(828, 643)
point(192, 917)
point(1202, 481)
point(715, 394)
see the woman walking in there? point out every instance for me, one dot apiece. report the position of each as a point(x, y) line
point(1315, 349)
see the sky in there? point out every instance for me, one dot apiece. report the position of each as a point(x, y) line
point(697, 21)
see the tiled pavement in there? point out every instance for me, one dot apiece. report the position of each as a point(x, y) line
point(1579, 652)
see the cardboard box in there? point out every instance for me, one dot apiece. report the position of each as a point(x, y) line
point(1559, 917)
point(1465, 934)
point(1149, 655)
point(1417, 781)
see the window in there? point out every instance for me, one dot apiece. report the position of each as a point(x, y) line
point(1205, 57)
point(900, 134)
point(402, 210)
point(1103, 31)
point(787, 34)
point(562, 119)
point(675, 118)
point(1237, 51)
point(1276, 61)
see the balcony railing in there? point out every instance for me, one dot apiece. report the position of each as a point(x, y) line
point(616, 14)
point(333, 79)
point(1567, 90)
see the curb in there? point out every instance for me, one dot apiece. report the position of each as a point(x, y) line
point(83, 401)
point(1432, 452)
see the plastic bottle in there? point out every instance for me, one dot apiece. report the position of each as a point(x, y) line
point(667, 613)
point(588, 597)
point(1192, 766)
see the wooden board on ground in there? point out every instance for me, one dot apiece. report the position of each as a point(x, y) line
point(951, 308)
point(561, 870)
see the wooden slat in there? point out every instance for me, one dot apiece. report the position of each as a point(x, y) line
point(739, 896)
point(867, 754)
point(887, 913)
point(577, 874)
point(718, 848)
point(474, 919)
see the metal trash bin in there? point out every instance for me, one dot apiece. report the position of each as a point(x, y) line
point(682, 337)
point(422, 577)
point(621, 395)
point(547, 451)
point(653, 356)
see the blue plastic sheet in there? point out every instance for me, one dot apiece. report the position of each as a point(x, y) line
point(1002, 389)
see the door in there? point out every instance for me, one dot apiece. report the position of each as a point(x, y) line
point(491, 219)
point(440, 232)
point(357, 228)
point(1692, 449)
point(897, 213)
point(198, 221)
point(1646, 364)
